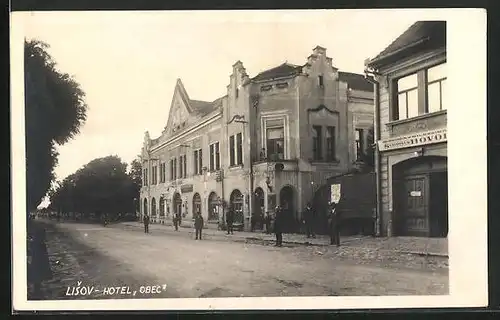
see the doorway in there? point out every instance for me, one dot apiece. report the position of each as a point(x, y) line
point(287, 203)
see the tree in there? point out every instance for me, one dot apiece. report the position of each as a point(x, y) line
point(135, 174)
point(100, 186)
point(55, 110)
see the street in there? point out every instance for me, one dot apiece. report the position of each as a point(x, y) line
point(175, 265)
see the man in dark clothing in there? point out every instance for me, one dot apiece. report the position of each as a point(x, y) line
point(267, 221)
point(278, 226)
point(198, 225)
point(309, 221)
point(175, 220)
point(333, 224)
point(230, 220)
point(146, 223)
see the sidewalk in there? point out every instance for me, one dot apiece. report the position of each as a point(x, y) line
point(405, 245)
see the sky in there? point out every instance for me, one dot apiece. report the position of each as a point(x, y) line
point(128, 62)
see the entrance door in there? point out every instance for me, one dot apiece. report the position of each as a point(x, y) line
point(438, 214)
point(177, 204)
point(415, 221)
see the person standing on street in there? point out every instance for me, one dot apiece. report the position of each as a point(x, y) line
point(175, 220)
point(198, 225)
point(309, 216)
point(267, 221)
point(230, 220)
point(333, 224)
point(146, 223)
point(278, 226)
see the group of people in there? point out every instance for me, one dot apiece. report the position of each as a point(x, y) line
point(279, 223)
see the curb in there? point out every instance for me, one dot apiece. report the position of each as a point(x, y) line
point(245, 239)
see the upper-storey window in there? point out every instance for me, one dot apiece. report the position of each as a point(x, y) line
point(316, 141)
point(436, 84)
point(198, 161)
point(145, 176)
point(275, 143)
point(214, 156)
point(236, 149)
point(359, 144)
point(239, 149)
point(330, 144)
point(420, 93)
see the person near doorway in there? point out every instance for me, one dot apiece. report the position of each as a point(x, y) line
point(309, 216)
point(267, 221)
point(278, 226)
point(230, 220)
point(175, 220)
point(146, 223)
point(253, 221)
point(333, 224)
point(198, 225)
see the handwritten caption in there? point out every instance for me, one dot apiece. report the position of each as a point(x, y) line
point(83, 290)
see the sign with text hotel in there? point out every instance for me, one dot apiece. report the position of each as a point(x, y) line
point(413, 140)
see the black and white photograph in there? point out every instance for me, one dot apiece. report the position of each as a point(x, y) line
point(177, 160)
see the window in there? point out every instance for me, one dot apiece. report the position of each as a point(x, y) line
point(408, 96)
point(145, 176)
point(164, 172)
point(217, 156)
point(154, 178)
point(173, 169)
point(317, 137)
point(232, 151)
point(330, 144)
point(275, 143)
point(420, 93)
point(185, 166)
point(182, 166)
point(359, 144)
point(198, 161)
point(239, 148)
point(436, 84)
point(214, 156)
point(320, 81)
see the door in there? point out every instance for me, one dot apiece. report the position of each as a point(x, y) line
point(415, 220)
point(438, 213)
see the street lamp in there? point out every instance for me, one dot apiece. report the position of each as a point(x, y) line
point(312, 191)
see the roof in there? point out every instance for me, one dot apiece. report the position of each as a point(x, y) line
point(283, 70)
point(355, 81)
point(420, 31)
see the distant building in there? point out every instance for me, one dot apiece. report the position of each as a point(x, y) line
point(272, 139)
point(412, 100)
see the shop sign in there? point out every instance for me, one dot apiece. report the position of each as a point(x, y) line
point(413, 140)
point(335, 193)
point(416, 193)
point(186, 188)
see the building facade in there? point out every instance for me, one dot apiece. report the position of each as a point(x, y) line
point(411, 127)
point(272, 139)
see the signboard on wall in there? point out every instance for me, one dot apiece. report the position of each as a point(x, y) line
point(335, 193)
point(413, 140)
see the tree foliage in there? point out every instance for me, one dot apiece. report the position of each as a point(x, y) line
point(54, 109)
point(100, 186)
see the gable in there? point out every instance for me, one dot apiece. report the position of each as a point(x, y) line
point(180, 110)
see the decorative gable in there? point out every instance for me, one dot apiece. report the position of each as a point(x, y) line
point(180, 110)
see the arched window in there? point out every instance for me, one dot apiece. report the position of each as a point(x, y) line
point(162, 207)
point(213, 208)
point(236, 201)
point(145, 206)
point(153, 207)
point(196, 204)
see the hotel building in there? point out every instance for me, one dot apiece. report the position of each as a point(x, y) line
point(272, 139)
